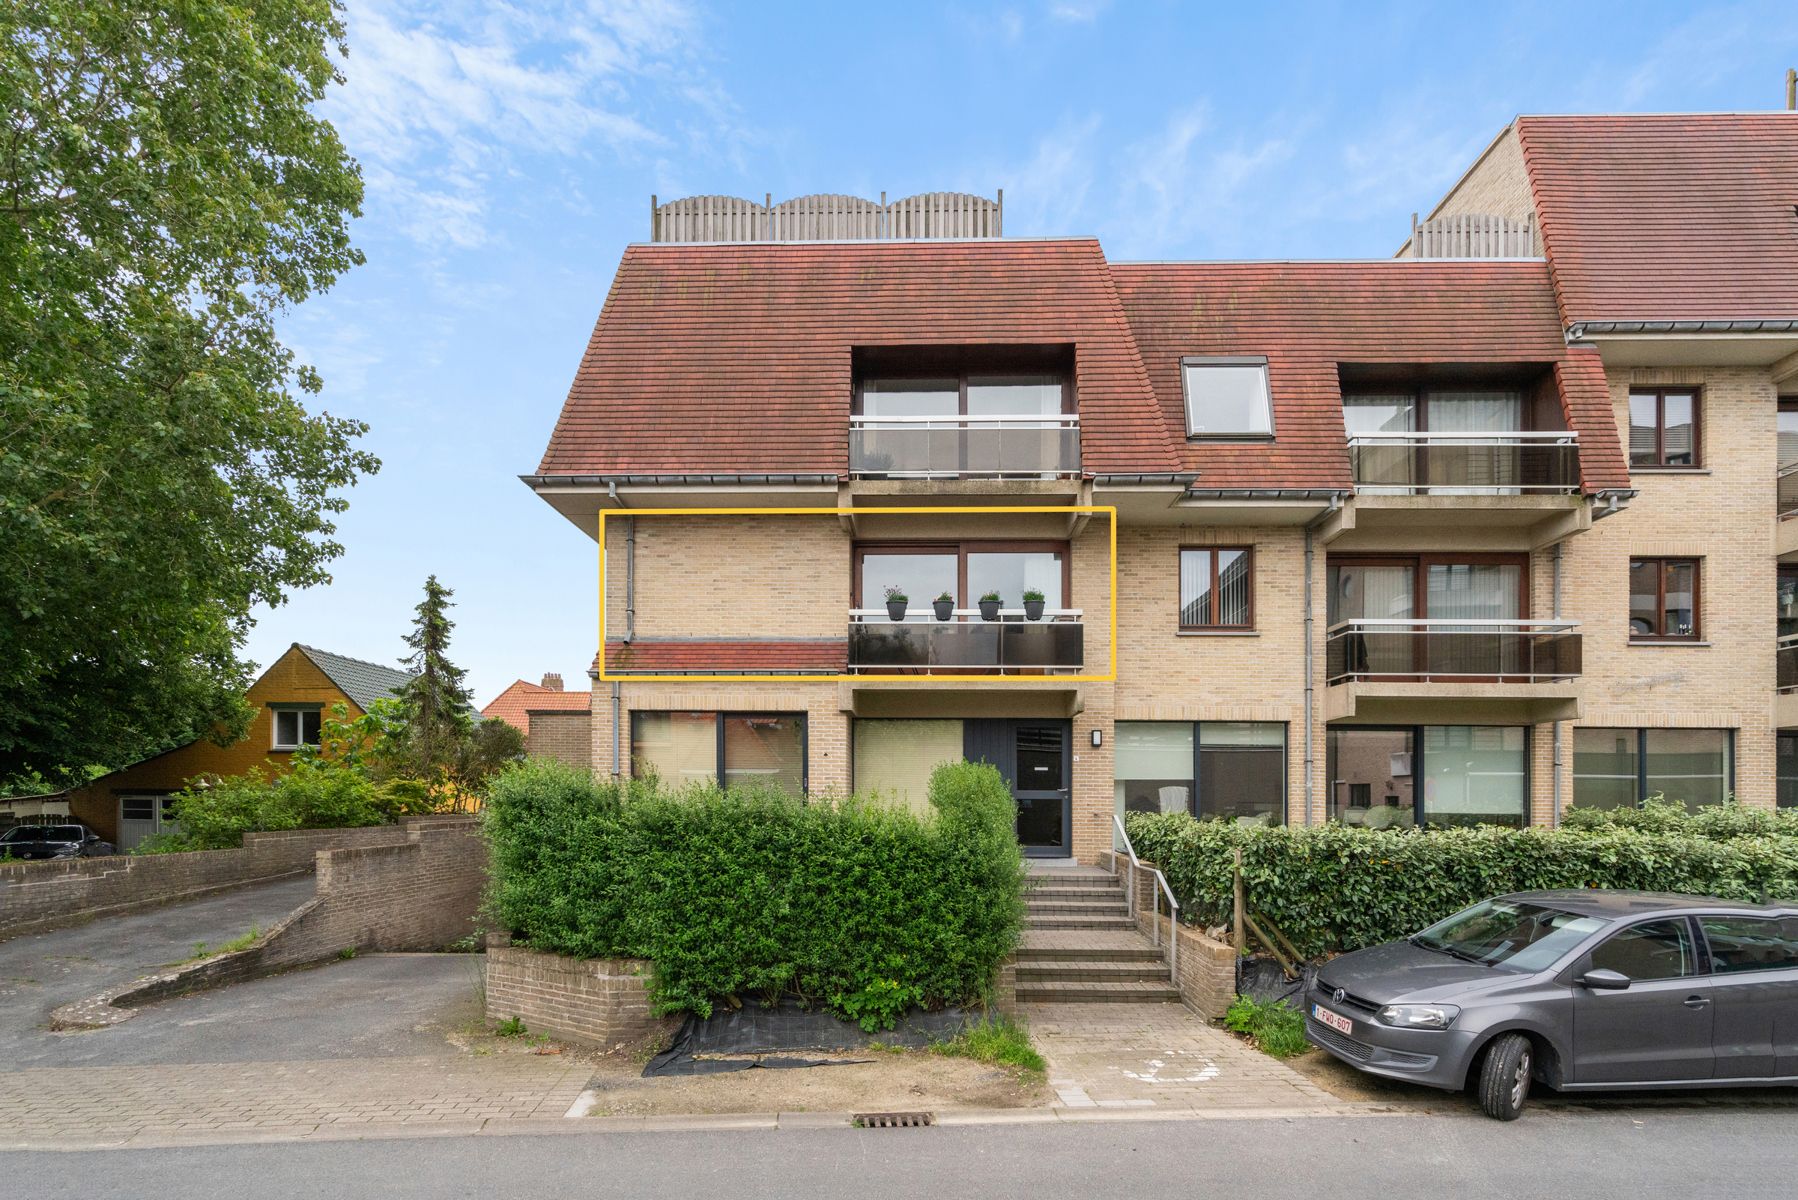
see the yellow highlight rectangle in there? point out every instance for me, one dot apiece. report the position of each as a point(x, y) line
point(1108, 511)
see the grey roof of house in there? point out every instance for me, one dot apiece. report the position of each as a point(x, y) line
point(362, 681)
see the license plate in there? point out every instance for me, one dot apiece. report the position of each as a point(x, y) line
point(1339, 1023)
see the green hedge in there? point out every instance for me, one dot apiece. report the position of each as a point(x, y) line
point(1337, 887)
point(315, 794)
point(745, 896)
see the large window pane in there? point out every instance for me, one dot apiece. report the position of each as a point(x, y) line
point(1242, 770)
point(911, 398)
point(1014, 395)
point(765, 750)
point(1679, 432)
point(1152, 765)
point(1233, 587)
point(1195, 588)
point(1645, 597)
point(1604, 768)
point(677, 748)
point(1688, 766)
point(1473, 591)
point(1475, 775)
point(1215, 588)
point(922, 577)
point(1227, 398)
point(1371, 776)
point(1012, 573)
point(1787, 436)
point(1680, 613)
point(895, 758)
point(1644, 428)
point(1787, 769)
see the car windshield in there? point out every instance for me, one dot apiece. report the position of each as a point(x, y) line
point(1511, 934)
point(24, 833)
point(63, 833)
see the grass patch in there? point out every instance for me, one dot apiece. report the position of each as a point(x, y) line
point(996, 1040)
point(1275, 1029)
point(511, 1027)
point(242, 942)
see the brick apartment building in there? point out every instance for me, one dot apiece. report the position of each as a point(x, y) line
point(1475, 533)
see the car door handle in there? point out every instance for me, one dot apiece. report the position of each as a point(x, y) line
point(1697, 1001)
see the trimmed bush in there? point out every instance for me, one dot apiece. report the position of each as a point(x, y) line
point(316, 794)
point(747, 895)
point(1337, 887)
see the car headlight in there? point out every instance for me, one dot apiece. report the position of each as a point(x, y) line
point(1419, 1016)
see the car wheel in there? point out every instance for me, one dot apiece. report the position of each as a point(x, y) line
point(1505, 1077)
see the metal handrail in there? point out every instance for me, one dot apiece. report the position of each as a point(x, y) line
point(963, 420)
point(1049, 614)
point(1495, 437)
point(1173, 914)
point(1421, 622)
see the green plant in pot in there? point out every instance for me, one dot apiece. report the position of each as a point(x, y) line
point(989, 606)
point(1033, 604)
point(896, 602)
point(944, 605)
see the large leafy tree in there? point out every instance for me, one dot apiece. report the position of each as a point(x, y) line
point(167, 189)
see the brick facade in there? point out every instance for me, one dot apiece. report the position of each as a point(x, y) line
point(566, 737)
point(600, 1001)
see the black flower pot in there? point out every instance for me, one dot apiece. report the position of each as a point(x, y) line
point(944, 609)
point(989, 610)
point(1033, 610)
point(896, 610)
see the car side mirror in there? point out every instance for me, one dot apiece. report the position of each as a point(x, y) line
point(1604, 980)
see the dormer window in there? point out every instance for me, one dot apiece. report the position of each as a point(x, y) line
point(296, 726)
point(1227, 398)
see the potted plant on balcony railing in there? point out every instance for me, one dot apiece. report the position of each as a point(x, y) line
point(989, 606)
point(896, 602)
point(944, 605)
point(1033, 604)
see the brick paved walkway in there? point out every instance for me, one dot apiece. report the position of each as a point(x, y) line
point(65, 1108)
point(1161, 1058)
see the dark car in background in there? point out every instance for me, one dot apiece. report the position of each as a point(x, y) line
point(1579, 990)
point(71, 840)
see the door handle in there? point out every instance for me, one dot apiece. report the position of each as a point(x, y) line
point(1697, 1001)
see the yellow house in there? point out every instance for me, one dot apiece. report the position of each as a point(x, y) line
point(290, 701)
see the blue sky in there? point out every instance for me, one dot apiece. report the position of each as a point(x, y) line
point(510, 151)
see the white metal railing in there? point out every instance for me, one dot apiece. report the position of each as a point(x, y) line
point(1484, 462)
point(1173, 905)
point(997, 445)
point(1452, 647)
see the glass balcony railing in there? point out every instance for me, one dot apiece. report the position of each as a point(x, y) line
point(1452, 650)
point(965, 644)
point(1785, 659)
point(1000, 447)
point(1788, 490)
point(1465, 464)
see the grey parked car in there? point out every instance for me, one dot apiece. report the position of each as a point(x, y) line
point(1582, 990)
point(52, 841)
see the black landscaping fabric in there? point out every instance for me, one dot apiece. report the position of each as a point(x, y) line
point(1264, 980)
point(790, 1035)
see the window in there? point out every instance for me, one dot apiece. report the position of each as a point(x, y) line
point(1786, 769)
point(1663, 599)
point(1040, 394)
point(729, 748)
point(296, 727)
point(1226, 769)
point(1442, 775)
point(1787, 434)
point(1617, 768)
point(966, 571)
point(1663, 428)
point(1227, 397)
point(894, 758)
point(1215, 588)
point(1649, 951)
point(1751, 943)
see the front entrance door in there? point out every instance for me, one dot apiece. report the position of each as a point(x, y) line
point(1035, 757)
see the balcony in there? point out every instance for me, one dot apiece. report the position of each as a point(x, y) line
point(1785, 665)
point(1495, 671)
point(1466, 464)
point(965, 447)
point(966, 645)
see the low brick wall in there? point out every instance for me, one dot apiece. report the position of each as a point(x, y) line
point(1207, 967)
point(601, 1001)
point(36, 896)
point(422, 893)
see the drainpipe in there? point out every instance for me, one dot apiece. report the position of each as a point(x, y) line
point(617, 730)
point(630, 626)
point(1554, 814)
point(1310, 665)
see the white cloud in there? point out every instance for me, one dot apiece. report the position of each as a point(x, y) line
point(1078, 12)
point(440, 101)
point(1183, 185)
point(1047, 195)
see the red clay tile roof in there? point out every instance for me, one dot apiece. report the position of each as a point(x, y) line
point(515, 705)
point(1670, 217)
point(724, 657)
point(1308, 317)
point(735, 359)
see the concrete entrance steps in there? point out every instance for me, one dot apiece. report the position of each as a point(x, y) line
point(1080, 945)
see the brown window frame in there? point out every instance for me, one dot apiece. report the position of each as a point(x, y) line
point(961, 549)
point(1660, 462)
point(1214, 625)
point(1660, 606)
point(960, 375)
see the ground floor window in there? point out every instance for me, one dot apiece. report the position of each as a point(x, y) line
point(894, 758)
point(1619, 768)
point(727, 748)
point(1788, 770)
point(144, 816)
point(1429, 774)
point(1226, 769)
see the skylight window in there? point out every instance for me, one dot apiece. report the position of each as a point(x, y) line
point(1227, 397)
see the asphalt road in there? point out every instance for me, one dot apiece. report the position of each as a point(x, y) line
point(1689, 1153)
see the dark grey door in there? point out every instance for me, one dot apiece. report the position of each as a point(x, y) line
point(1658, 1028)
point(1036, 759)
point(1754, 977)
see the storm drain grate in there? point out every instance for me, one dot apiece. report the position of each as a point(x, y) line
point(894, 1120)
